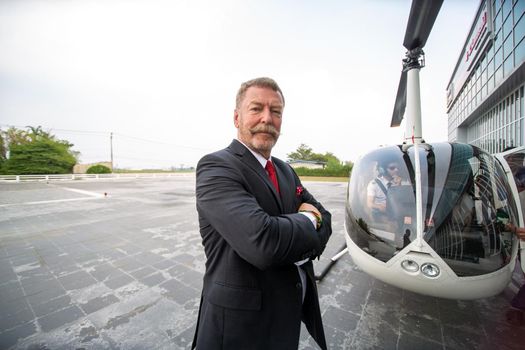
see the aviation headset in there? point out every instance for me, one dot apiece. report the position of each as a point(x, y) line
point(381, 168)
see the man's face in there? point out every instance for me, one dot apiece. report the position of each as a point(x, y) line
point(392, 169)
point(258, 119)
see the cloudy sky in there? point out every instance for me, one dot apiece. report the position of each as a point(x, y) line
point(162, 75)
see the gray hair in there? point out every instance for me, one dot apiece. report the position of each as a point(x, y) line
point(262, 82)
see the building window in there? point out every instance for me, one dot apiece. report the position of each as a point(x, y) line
point(519, 8)
point(497, 5)
point(497, 18)
point(498, 58)
point(490, 67)
point(498, 75)
point(519, 30)
point(507, 7)
point(500, 127)
point(498, 40)
point(508, 46)
point(519, 52)
point(521, 115)
point(508, 66)
point(507, 27)
point(484, 61)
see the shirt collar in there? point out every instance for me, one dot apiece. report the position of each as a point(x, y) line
point(384, 180)
point(257, 156)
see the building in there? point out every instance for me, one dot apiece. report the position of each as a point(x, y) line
point(309, 164)
point(485, 103)
point(82, 168)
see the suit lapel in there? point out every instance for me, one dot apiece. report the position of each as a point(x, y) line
point(247, 158)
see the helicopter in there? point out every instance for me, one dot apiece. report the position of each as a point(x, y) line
point(433, 218)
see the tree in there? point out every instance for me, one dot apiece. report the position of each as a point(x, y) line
point(11, 136)
point(334, 167)
point(330, 159)
point(38, 133)
point(303, 152)
point(3, 148)
point(36, 152)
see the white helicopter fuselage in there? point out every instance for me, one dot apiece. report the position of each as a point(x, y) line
point(446, 285)
point(455, 248)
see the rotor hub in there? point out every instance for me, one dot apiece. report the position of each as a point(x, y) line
point(414, 58)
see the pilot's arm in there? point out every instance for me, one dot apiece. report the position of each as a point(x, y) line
point(518, 231)
point(371, 196)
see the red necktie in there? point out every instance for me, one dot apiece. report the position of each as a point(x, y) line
point(271, 173)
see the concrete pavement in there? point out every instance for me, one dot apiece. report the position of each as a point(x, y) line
point(80, 269)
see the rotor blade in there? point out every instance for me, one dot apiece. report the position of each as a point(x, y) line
point(423, 14)
point(401, 101)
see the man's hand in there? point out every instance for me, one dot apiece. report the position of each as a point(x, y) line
point(313, 214)
point(309, 207)
point(396, 180)
point(518, 231)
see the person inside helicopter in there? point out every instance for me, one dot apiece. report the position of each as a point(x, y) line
point(515, 161)
point(516, 313)
point(491, 216)
point(377, 190)
point(391, 203)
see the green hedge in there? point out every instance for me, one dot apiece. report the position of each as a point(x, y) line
point(98, 169)
point(340, 172)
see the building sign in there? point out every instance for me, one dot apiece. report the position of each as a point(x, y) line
point(475, 44)
point(472, 49)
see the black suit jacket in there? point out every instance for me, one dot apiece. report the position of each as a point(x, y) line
point(252, 236)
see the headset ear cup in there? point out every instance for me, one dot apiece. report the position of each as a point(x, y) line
point(381, 170)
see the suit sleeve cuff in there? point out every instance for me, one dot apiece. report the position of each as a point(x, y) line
point(310, 216)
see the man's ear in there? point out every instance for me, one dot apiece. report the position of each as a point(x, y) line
point(236, 118)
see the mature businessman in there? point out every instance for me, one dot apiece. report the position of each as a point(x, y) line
point(260, 229)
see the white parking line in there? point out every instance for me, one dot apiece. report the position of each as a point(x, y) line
point(89, 193)
point(50, 201)
point(93, 195)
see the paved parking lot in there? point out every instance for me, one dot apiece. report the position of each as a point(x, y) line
point(118, 264)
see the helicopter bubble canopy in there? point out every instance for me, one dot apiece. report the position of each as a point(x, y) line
point(466, 204)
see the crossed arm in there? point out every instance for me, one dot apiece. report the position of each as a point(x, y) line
point(227, 208)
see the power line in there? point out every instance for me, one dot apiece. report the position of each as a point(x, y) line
point(130, 150)
point(108, 134)
point(102, 133)
point(160, 142)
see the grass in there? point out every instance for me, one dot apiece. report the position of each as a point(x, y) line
point(324, 178)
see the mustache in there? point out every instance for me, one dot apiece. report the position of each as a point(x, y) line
point(268, 129)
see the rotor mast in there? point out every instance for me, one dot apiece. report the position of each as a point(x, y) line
point(412, 64)
point(423, 14)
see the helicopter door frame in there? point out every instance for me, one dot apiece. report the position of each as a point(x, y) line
point(501, 158)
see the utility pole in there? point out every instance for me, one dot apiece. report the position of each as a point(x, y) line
point(111, 148)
